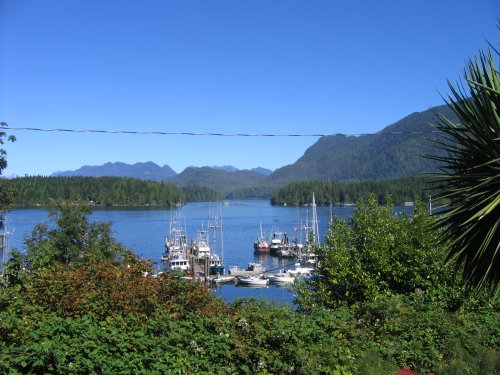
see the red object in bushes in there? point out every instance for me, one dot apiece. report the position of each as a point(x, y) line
point(407, 371)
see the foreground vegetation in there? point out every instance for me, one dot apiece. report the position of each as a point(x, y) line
point(77, 301)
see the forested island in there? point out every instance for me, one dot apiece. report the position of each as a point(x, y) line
point(104, 191)
point(400, 190)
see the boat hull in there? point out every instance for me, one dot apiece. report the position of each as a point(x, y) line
point(252, 281)
point(278, 279)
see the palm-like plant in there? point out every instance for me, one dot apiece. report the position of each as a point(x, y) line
point(470, 174)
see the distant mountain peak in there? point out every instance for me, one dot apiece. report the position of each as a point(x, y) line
point(264, 171)
point(227, 168)
point(146, 171)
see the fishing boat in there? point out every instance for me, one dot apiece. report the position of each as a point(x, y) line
point(199, 247)
point(276, 242)
point(287, 249)
point(175, 245)
point(261, 245)
point(216, 265)
point(178, 262)
point(252, 281)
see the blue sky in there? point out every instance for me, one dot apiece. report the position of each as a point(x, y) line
point(260, 66)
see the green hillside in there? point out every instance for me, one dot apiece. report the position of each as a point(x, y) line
point(219, 180)
point(369, 157)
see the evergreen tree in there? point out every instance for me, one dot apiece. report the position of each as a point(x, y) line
point(6, 194)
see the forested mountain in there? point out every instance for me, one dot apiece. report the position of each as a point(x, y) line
point(369, 157)
point(105, 191)
point(144, 171)
point(231, 169)
point(217, 179)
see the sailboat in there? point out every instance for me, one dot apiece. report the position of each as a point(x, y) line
point(309, 254)
point(216, 261)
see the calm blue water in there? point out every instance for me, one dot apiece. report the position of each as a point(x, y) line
point(143, 230)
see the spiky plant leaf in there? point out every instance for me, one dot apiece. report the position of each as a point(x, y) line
point(469, 178)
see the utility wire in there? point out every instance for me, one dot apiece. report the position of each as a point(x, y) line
point(212, 134)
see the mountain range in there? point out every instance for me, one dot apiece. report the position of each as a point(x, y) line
point(143, 171)
point(396, 151)
point(149, 171)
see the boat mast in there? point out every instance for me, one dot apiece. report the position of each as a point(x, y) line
point(221, 241)
point(315, 228)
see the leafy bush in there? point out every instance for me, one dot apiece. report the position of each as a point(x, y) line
point(107, 314)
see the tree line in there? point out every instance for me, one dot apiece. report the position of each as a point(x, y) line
point(326, 193)
point(123, 191)
point(104, 191)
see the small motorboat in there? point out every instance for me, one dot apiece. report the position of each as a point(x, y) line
point(299, 270)
point(222, 279)
point(252, 281)
point(282, 277)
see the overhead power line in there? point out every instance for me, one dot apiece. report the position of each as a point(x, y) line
point(211, 134)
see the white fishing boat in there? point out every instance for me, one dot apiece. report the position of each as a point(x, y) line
point(178, 263)
point(175, 255)
point(175, 242)
point(276, 242)
point(199, 247)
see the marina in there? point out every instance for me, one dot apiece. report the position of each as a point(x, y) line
point(145, 229)
point(199, 262)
